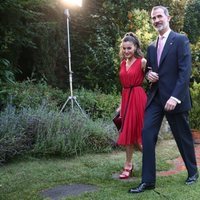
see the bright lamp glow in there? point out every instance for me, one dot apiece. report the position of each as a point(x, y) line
point(74, 2)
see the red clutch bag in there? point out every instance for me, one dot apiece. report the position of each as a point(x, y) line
point(117, 120)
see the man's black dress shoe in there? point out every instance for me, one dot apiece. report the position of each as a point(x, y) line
point(192, 179)
point(142, 187)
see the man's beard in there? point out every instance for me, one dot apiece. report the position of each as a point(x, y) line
point(161, 27)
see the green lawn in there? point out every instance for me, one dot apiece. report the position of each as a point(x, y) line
point(25, 179)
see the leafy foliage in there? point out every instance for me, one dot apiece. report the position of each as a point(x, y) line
point(28, 94)
point(196, 61)
point(97, 104)
point(6, 72)
point(194, 114)
point(139, 22)
point(14, 30)
point(31, 38)
point(192, 18)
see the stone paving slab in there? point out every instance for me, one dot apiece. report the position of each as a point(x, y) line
point(62, 191)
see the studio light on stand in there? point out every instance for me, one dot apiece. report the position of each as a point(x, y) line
point(71, 98)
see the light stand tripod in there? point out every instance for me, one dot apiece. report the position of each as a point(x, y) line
point(71, 97)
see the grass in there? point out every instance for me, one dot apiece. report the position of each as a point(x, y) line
point(24, 179)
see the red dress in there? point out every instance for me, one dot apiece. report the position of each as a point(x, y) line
point(133, 120)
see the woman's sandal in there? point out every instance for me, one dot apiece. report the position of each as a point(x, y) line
point(126, 173)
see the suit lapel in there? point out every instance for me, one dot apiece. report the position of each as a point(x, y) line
point(168, 45)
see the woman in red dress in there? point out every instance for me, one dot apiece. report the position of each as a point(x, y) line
point(133, 98)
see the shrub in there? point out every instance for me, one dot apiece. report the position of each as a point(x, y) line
point(98, 104)
point(195, 111)
point(31, 121)
point(30, 95)
point(196, 61)
point(44, 132)
point(17, 133)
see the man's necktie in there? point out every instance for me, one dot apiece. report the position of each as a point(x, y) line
point(160, 48)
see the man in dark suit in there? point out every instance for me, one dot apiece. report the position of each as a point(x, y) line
point(169, 69)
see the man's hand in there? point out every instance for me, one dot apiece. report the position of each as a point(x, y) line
point(152, 76)
point(170, 104)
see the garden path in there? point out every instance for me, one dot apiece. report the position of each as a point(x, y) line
point(179, 164)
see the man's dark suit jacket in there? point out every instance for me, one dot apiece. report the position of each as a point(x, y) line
point(174, 71)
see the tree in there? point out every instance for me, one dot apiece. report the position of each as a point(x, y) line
point(33, 38)
point(13, 31)
point(100, 61)
point(192, 19)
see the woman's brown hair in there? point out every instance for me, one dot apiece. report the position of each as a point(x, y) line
point(131, 37)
